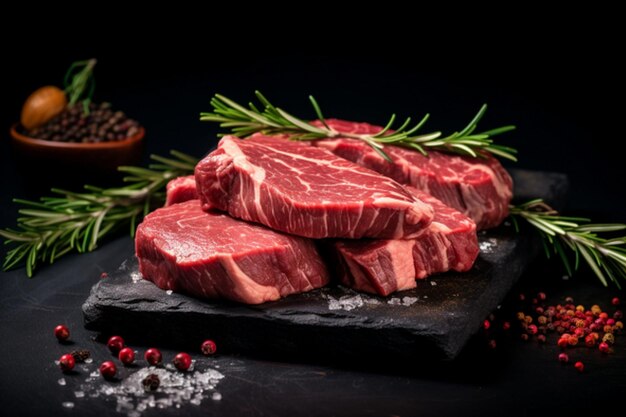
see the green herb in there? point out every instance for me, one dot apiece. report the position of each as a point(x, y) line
point(244, 121)
point(69, 221)
point(79, 83)
point(605, 256)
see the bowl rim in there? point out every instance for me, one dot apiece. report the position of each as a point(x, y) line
point(15, 134)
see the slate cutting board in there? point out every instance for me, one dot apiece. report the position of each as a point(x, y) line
point(432, 321)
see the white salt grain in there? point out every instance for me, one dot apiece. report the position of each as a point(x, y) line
point(169, 292)
point(433, 283)
point(68, 404)
point(216, 396)
point(89, 360)
point(79, 394)
point(62, 381)
point(408, 301)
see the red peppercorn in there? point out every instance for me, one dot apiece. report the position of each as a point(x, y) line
point(486, 324)
point(563, 342)
point(62, 333)
point(618, 315)
point(209, 347)
point(115, 344)
point(610, 322)
point(590, 341)
point(541, 338)
point(182, 361)
point(539, 310)
point(579, 332)
point(572, 340)
point(569, 300)
point(108, 369)
point(615, 301)
point(535, 301)
point(153, 356)
point(580, 367)
point(104, 275)
point(522, 297)
point(67, 362)
point(604, 316)
point(126, 356)
point(604, 347)
point(563, 358)
point(524, 336)
point(532, 329)
point(542, 296)
point(492, 344)
point(506, 325)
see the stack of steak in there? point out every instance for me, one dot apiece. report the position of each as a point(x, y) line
point(250, 226)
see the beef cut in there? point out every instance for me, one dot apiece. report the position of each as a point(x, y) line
point(180, 189)
point(381, 266)
point(306, 191)
point(478, 187)
point(212, 255)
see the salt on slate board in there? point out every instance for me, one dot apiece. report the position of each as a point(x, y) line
point(432, 321)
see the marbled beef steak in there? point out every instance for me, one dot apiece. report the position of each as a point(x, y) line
point(381, 266)
point(212, 255)
point(306, 191)
point(478, 187)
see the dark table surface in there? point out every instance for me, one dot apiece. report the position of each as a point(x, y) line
point(517, 378)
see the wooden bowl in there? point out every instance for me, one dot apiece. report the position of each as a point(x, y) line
point(100, 157)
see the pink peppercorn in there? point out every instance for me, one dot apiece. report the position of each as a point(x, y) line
point(610, 322)
point(542, 296)
point(615, 301)
point(506, 325)
point(486, 324)
point(563, 358)
point(604, 347)
point(541, 338)
point(618, 315)
point(580, 367)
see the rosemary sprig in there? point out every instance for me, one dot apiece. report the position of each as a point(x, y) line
point(244, 121)
point(79, 83)
point(605, 256)
point(55, 226)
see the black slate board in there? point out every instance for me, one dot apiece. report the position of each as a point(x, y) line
point(432, 321)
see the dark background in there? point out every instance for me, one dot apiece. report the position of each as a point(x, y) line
point(555, 76)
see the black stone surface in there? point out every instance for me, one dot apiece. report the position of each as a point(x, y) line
point(432, 321)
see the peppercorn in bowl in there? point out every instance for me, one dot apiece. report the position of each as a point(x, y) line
point(92, 138)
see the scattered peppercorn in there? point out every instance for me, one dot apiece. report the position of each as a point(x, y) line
point(209, 347)
point(80, 355)
point(563, 358)
point(541, 338)
point(126, 356)
point(67, 362)
point(151, 382)
point(61, 332)
point(580, 367)
point(108, 369)
point(115, 344)
point(153, 356)
point(182, 361)
point(486, 324)
point(492, 344)
point(615, 301)
point(604, 347)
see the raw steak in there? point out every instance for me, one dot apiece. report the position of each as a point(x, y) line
point(383, 266)
point(478, 187)
point(212, 255)
point(306, 191)
point(181, 189)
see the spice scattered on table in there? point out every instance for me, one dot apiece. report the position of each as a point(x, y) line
point(61, 332)
point(115, 344)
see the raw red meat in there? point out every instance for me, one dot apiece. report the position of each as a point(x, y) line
point(478, 187)
point(212, 255)
point(306, 191)
point(181, 189)
point(383, 266)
